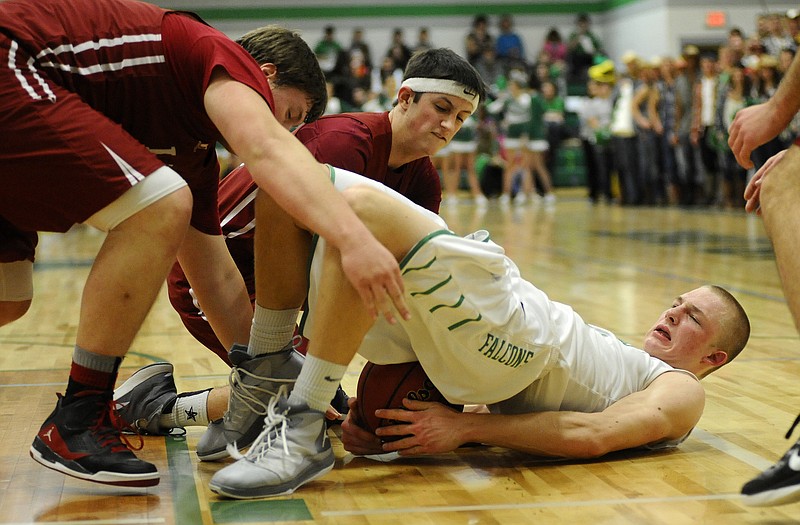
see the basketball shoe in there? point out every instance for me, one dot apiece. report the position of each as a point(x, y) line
point(141, 399)
point(780, 483)
point(292, 449)
point(339, 401)
point(81, 439)
point(253, 382)
point(214, 437)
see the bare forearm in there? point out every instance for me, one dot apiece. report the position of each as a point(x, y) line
point(554, 434)
point(667, 409)
point(217, 286)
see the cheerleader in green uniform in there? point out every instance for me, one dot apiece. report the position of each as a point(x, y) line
point(462, 152)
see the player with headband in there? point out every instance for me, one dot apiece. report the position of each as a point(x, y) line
point(445, 86)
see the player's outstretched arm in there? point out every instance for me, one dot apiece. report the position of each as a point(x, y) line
point(668, 409)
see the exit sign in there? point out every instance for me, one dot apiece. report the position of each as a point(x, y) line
point(715, 19)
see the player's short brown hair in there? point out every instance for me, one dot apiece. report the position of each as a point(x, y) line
point(295, 62)
point(444, 63)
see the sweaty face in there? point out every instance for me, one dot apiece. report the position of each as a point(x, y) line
point(291, 105)
point(686, 332)
point(434, 119)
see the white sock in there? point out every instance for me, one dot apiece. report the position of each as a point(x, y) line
point(317, 383)
point(190, 410)
point(272, 330)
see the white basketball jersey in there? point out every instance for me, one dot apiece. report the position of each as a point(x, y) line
point(594, 370)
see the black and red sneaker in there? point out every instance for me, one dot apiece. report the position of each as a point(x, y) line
point(82, 439)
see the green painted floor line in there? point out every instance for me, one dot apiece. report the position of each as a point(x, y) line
point(261, 511)
point(184, 490)
point(187, 501)
point(149, 357)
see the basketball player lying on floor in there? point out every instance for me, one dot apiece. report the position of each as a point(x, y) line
point(556, 385)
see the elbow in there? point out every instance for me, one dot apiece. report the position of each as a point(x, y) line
point(266, 150)
point(588, 445)
point(593, 447)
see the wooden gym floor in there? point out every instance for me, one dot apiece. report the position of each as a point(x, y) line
point(619, 267)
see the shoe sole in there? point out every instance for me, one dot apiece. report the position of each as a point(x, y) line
point(142, 375)
point(770, 498)
point(283, 490)
point(46, 458)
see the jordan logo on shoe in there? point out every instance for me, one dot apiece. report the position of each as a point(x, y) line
point(794, 459)
point(191, 414)
point(49, 434)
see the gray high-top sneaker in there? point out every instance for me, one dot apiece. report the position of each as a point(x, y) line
point(253, 381)
point(292, 450)
point(141, 399)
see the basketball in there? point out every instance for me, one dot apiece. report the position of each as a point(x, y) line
point(385, 386)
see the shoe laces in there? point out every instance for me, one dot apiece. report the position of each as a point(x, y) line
point(249, 394)
point(109, 427)
point(274, 431)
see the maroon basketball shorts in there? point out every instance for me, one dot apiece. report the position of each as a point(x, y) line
point(60, 161)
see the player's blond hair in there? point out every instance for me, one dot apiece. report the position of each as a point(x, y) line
point(735, 327)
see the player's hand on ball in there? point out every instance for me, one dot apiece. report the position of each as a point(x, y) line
point(429, 428)
point(356, 439)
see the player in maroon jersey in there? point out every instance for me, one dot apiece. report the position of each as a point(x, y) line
point(109, 113)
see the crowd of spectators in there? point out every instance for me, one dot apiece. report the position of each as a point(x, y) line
point(670, 116)
point(651, 131)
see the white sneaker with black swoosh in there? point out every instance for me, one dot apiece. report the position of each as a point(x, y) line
point(779, 484)
point(292, 450)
